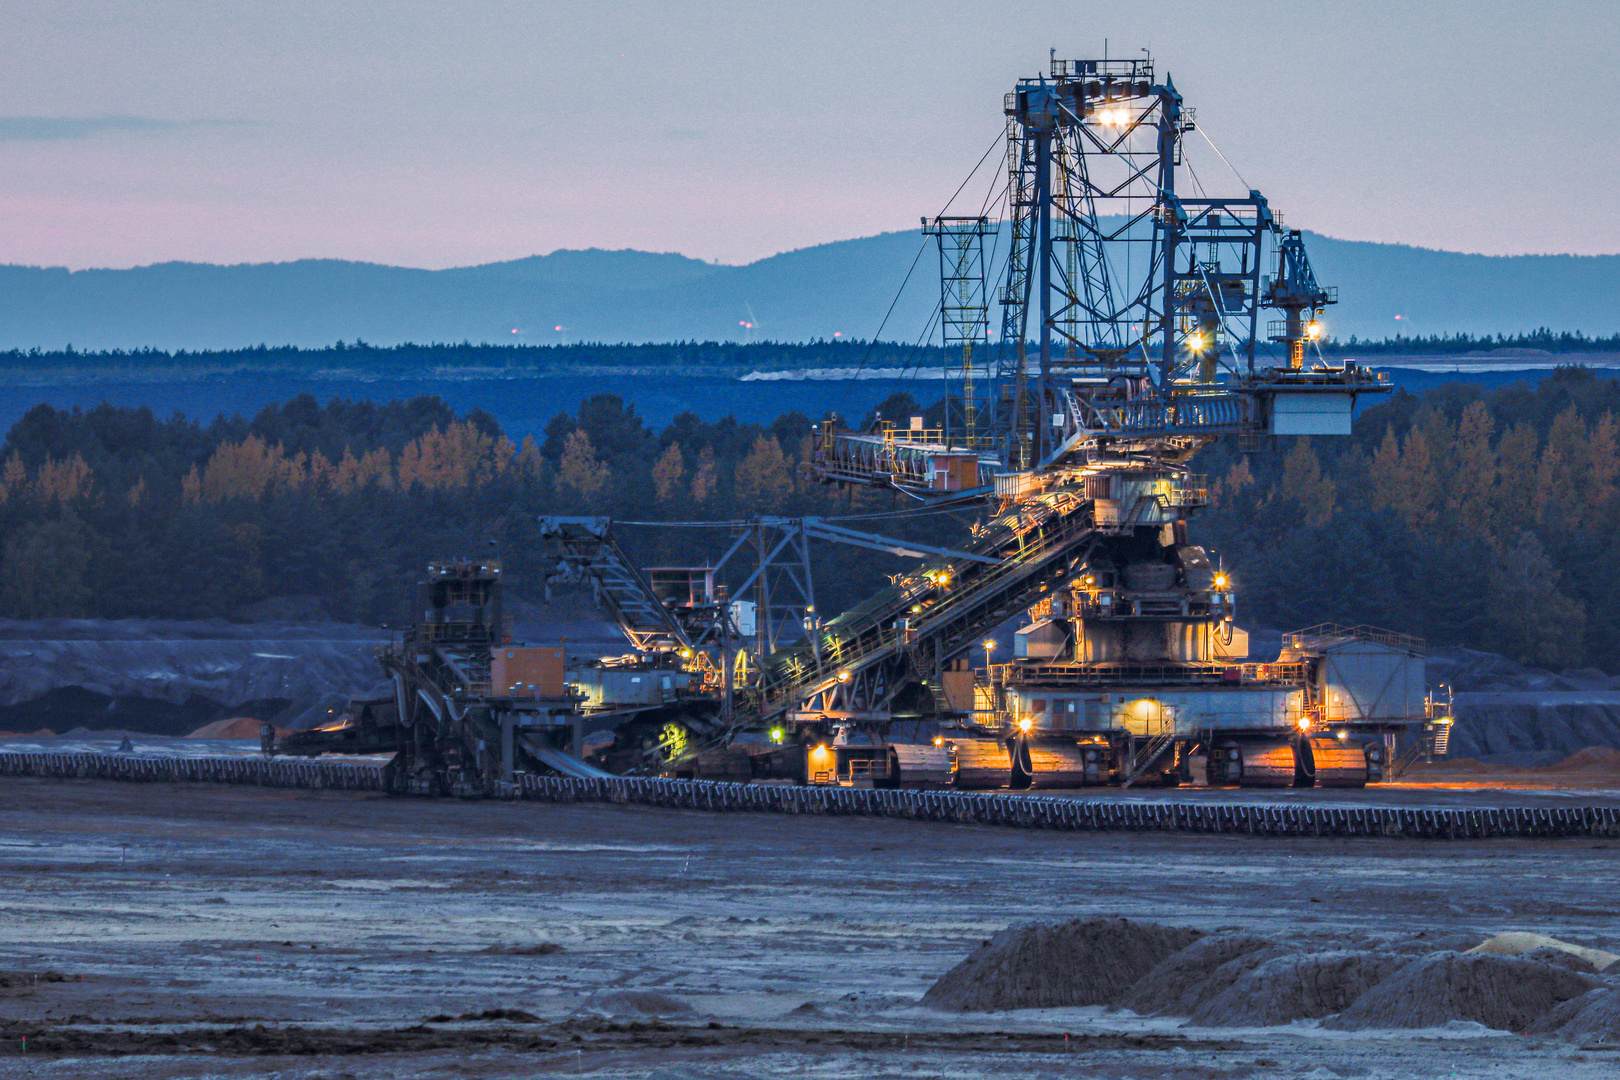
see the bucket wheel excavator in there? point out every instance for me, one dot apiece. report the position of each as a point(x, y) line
point(1130, 338)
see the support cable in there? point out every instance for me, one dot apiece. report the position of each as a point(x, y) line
point(870, 345)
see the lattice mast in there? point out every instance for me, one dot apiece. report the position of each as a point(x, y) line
point(964, 313)
point(1124, 276)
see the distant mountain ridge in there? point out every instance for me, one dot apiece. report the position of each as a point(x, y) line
point(842, 288)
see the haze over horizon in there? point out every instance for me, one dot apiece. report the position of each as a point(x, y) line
point(422, 136)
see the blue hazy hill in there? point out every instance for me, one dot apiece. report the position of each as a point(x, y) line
point(843, 287)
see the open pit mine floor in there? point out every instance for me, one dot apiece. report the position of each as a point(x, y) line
point(155, 930)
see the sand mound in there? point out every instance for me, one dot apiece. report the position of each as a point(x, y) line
point(1085, 962)
point(1519, 943)
point(235, 727)
point(1592, 759)
point(1297, 987)
point(1185, 980)
point(638, 1003)
point(1593, 1017)
point(1507, 993)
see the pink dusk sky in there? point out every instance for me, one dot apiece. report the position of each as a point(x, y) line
point(446, 134)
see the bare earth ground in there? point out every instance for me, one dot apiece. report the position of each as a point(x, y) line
point(221, 931)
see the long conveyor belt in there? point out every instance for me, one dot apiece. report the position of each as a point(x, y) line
point(940, 608)
point(981, 808)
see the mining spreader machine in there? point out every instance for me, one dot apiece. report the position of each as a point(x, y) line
point(1129, 666)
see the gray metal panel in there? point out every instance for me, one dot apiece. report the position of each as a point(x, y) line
point(922, 763)
point(1311, 414)
point(1363, 680)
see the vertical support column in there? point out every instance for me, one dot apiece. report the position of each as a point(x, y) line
point(811, 617)
point(1043, 204)
point(765, 633)
point(508, 751)
point(1170, 227)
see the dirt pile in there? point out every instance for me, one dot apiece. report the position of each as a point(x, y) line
point(234, 727)
point(1592, 759)
point(1423, 943)
point(1560, 958)
point(1296, 987)
point(1185, 980)
point(1507, 993)
point(1592, 1017)
point(1084, 962)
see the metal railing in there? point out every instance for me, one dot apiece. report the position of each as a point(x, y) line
point(1324, 635)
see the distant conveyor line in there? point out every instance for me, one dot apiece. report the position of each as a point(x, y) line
point(976, 808)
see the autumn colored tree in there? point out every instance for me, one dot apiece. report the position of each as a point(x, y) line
point(1598, 494)
point(706, 479)
point(1518, 457)
point(1419, 500)
point(527, 461)
point(62, 481)
point(667, 473)
point(13, 478)
point(581, 472)
point(763, 479)
point(1471, 495)
point(1384, 474)
point(1310, 494)
point(1239, 478)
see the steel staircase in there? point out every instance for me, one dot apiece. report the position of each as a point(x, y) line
point(1147, 754)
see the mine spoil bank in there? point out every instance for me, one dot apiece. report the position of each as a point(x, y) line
point(1244, 980)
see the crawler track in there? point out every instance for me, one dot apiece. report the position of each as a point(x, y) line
point(977, 808)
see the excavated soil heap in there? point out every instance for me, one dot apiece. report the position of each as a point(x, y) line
point(1560, 958)
point(1085, 962)
point(1593, 1017)
point(1185, 980)
point(236, 727)
point(1296, 987)
point(1507, 993)
point(1423, 943)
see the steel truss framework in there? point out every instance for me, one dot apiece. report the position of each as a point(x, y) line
point(1123, 273)
point(964, 312)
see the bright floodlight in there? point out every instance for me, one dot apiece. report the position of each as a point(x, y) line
point(1314, 330)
